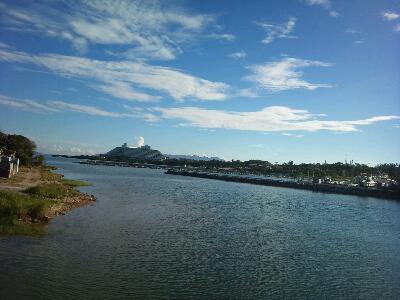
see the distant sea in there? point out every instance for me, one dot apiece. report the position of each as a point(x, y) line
point(157, 236)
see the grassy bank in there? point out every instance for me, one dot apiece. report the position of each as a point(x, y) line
point(22, 210)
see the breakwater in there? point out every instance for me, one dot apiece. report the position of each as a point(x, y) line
point(324, 188)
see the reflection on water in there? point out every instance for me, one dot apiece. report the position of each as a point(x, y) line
point(155, 236)
point(10, 229)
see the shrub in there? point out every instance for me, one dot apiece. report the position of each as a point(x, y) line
point(51, 191)
point(14, 206)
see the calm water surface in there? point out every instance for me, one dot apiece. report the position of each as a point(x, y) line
point(156, 236)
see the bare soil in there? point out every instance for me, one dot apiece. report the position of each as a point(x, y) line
point(25, 178)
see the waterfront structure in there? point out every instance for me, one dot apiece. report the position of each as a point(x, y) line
point(139, 153)
point(9, 164)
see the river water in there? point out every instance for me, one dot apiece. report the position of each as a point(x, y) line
point(157, 236)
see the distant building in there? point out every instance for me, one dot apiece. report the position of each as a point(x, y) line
point(9, 164)
point(140, 153)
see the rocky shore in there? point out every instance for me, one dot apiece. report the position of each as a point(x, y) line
point(64, 206)
point(324, 188)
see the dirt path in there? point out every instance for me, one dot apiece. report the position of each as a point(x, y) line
point(26, 177)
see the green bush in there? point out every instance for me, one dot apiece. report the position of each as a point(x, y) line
point(15, 206)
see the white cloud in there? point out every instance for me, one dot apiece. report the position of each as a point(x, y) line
point(139, 141)
point(118, 77)
point(90, 110)
point(25, 104)
point(334, 14)
point(248, 93)
point(326, 4)
point(293, 135)
point(60, 106)
point(356, 34)
point(222, 36)
point(323, 3)
point(352, 31)
point(123, 90)
point(65, 149)
point(275, 31)
point(238, 55)
point(4, 45)
point(141, 113)
point(151, 29)
point(285, 74)
point(273, 118)
point(390, 16)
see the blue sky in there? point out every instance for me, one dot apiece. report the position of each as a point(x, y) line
point(302, 80)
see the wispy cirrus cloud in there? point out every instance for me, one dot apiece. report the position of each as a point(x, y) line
point(222, 36)
point(149, 29)
point(248, 93)
point(238, 55)
point(278, 31)
point(326, 4)
point(56, 106)
point(26, 104)
point(285, 74)
point(357, 34)
point(269, 119)
point(85, 109)
point(293, 135)
point(272, 118)
point(123, 90)
point(122, 78)
point(352, 31)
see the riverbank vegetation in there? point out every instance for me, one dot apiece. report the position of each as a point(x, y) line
point(27, 210)
point(35, 194)
point(337, 170)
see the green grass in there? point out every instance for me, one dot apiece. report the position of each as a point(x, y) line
point(51, 191)
point(75, 183)
point(18, 210)
point(16, 206)
point(46, 175)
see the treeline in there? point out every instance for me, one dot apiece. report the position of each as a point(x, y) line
point(23, 148)
point(334, 170)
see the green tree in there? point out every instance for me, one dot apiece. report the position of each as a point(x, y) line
point(22, 146)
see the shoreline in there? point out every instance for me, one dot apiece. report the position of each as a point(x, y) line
point(35, 196)
point(322, 188)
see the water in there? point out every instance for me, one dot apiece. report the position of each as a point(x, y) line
point(159, 236)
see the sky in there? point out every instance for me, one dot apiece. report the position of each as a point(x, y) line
point(301, 80)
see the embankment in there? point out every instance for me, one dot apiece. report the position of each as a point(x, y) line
point(324, 188)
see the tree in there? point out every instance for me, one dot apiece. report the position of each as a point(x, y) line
point(22, 146)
